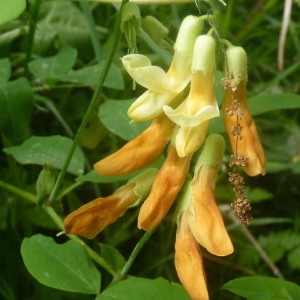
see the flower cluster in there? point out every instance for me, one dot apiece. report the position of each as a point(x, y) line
point(180, 125)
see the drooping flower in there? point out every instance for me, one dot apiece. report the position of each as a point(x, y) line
point(238, 121)
point(199, 220)
point(139, 152)
point(163, 87)
point(189, 262)
point(204, 217)
point(200, 106)
point(165, 189)
point(91, 218)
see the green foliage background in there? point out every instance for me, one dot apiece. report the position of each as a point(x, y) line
point(51, 60)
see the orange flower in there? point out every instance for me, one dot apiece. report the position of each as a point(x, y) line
point(238, 121)
point(188, 261)
point(91, 218)
point(139, 152)
point(204, 217)
point(165, 189)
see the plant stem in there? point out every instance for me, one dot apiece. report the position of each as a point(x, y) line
point(227, 209)
point(60, 224)
point(85, 6)
point(91, 107)
point(135, 253)
point(20, 192)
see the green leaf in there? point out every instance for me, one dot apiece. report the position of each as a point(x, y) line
point(269, 102)
point(11, 9)
point(294, 259)
point(61, 23)
point(113, 257)
point(62, 266)
point(262, 288)
point(5, 69)
point(257, 195)
point(90, 76)
point(146, 289)
point(51, 67)
point(15, 109)
point(52, 150)
point(113, 114)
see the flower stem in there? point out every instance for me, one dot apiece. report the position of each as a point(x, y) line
point(135, 253)
point(60, 224)
point(91, 106)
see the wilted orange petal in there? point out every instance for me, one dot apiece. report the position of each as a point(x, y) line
point(93, 217)
point(188, 262)
point(204, 217)
point(165, 189)
point(139, 152)
point(250, 145)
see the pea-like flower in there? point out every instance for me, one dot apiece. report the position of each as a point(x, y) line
point(163, 87)
point(139, 152)
point(194, 113)
point(189, 262)
point(91, 218)
point(238, 121)
point(165, 189)
point(199, 220)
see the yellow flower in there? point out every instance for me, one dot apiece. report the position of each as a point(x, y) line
point(91, 218)
point(139, 152)
point(200, 106)
point(163, 87)
point(238, 121)
point(165, 189)
point(189, 262)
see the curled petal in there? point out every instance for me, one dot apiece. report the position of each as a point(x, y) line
point(189, 139)
point(151, 77)
point(165, 189)
point(149, 105)
point(139, 152)
point(205, 220)
point(91, 218)
point(199, 106)
point(189, 263)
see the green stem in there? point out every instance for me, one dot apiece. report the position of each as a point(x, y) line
point(32, 27)
point(86, 8)
point(135, 253)
point(20, 192)
point(91, 105)
point(60, 224)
